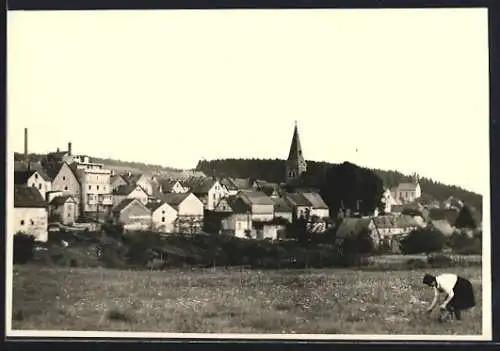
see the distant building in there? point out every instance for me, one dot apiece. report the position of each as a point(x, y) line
point(129, 192)
point(208, 190)
point(65, 179)
point(189, 209)
point(62, 208)
point(172, 186)
point(132, 214)
point(407, 192)
point(116, 181)
point(163, 216)
point(295, 164)
point(96, 193)
point(37, 179)
point(30, 213)
point(140, 179)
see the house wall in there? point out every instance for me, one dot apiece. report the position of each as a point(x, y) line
point(191, 206)
point(301, 209)
point(163, 219)
point(96, 189)
point(320, 212)
point(135, 214)
point(214, 195)
point(146, 184)
point(66, 182)
point(33, 221)
point(118, 181)
point(66, 212)
point(271, 231)
point(238, 223)
point(41, 184)
point(285, 215)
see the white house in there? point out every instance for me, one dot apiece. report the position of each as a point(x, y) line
point(65, 179)
point(163, 216)
point(318, 207)
point(172, 186)
point(34, 178)
point(407, 192)
point(208, 190)
point(30, 213)
point(129, 192)
point(189, 209)
point(142, 180)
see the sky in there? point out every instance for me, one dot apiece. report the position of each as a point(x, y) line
point(402, 90)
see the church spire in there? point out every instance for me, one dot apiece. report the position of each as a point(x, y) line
point(295, 164)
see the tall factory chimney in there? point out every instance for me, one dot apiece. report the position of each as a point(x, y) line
point(25, 144)
point(69, 148)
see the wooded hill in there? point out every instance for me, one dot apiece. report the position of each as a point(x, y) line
point(273, 170)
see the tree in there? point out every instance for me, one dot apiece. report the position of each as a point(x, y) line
point(24, 245)
point(353, 187)
point(423, 241)
point(467, 218)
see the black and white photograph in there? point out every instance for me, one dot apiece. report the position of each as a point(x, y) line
point(258, 174)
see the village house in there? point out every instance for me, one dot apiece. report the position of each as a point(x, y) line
point(140, 179)
point(350, 228)
point(132, 214)
point(163, 216)
point(407, 192)
point(116, 181)
point(230, 187)
point(65, 180)
point(189, 209)
point(129, 191)
point(318, 207)
point(392, 229)
point(30, 213)
point(208, 190)
point(172, 186)
point(62, 208)
point(301, 206)
point(241, 183)
point(96, 197)
point(282, 209)
point(34, 178)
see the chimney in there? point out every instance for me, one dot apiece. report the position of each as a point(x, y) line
point(69, 148)
point(25, 144)
point(57, 150)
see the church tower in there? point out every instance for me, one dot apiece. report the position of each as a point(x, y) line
point(295, 164)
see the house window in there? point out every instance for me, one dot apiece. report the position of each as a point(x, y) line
point(162, 212)
point(163, 219)
point(22, 222)
point(90, 187)
point(40, 186)
point(36, 176)
point(32, 222)
point(98, 187)
point(64, 177)
point(66, 188)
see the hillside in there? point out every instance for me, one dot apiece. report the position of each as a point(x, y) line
point(273, 171)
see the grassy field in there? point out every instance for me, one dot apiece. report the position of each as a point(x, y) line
point(317, 301)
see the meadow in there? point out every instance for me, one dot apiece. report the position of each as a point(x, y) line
point(331, 301)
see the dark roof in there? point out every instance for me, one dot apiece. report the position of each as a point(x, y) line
point(22, 176)
point(29, 197)
point(296, 199)
point(241, 183)
point(167, 185)
point(255, 198)
point(397, 208)
point(229, 184)
point(124, 203)
point(280, 205)
point(295, 147)
point(53, 170)
point(316, 200)
point(200, 185)
point(125, 189)
point(132, 179)
point(174, 199)
point(60, 200)
point(154, 205)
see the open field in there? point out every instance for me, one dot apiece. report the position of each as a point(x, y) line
point(232, 301)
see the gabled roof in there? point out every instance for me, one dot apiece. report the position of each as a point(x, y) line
point(132, 179)
point(116, 177)
point(174, 199)
point(125, 203)
point(316, 200)
point(125, 190)
point(280, 205)
point(21, 177)
point(297, 199)
point(154, 205)
point(53, 170)
point(28, 197)
point(200, 186)
point(229, 184)
point(255, 198)
point(60, 200)
point(168, 184)
point(352, 226)
point(408, 186)
point(241, 183)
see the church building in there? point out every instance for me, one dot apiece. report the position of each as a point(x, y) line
point(296, 163)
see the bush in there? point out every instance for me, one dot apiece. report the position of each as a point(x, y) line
point(440, 261)
point(24, 246)
point(423, 241)
point(416, 264)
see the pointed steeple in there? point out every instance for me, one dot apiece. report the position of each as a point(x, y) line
point(295, 164)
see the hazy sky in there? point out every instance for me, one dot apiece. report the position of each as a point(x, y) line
point(407, 88)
